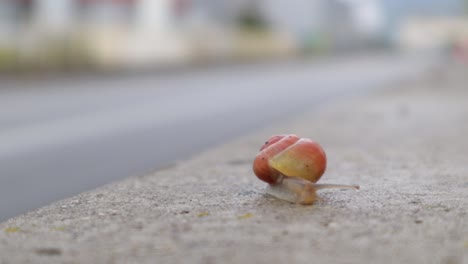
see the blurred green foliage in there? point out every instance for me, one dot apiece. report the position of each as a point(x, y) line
point(252, 20)
point(8, 58)
point(53, 54)
point(316, 43)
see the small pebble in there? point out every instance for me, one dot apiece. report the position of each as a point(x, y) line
point(49, 251)
point(333, 225)
point(245, 216)
point(12, 229)
point(203, 214)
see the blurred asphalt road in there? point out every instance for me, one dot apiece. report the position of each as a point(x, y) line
point(61, 137)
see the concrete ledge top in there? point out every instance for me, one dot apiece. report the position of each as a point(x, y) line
point(406, 147)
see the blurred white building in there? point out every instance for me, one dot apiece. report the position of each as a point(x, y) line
point(108, 32)
point(141, 32)
point(432, 34)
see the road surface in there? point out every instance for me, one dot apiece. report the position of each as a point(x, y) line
point(65, 136)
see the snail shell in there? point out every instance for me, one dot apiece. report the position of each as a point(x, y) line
point(290, 156)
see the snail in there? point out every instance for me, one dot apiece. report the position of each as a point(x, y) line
point(291, 166)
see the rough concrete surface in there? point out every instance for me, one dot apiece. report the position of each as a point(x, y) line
point(407, 148)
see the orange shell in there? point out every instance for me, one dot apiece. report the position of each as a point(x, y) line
point(290, 156)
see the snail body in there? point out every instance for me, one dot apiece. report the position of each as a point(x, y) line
point(292, 166)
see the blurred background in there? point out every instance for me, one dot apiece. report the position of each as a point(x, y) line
point(93, 91)
point(38, 34)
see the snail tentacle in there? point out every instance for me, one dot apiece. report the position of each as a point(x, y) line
point(320, 186)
